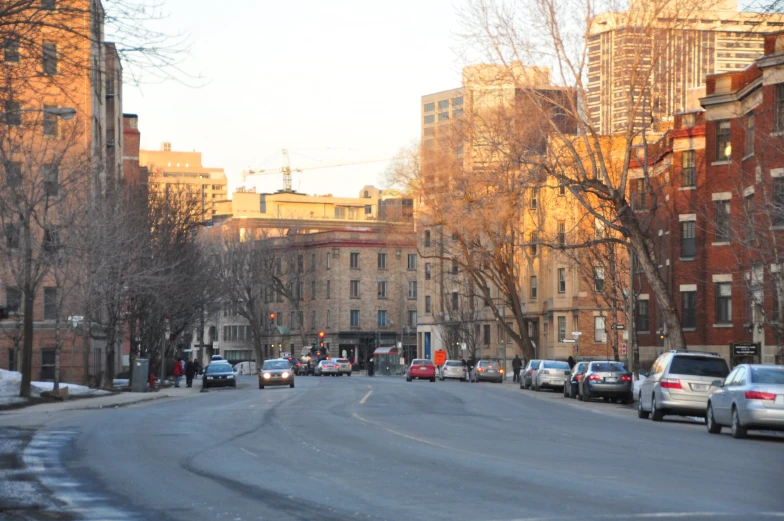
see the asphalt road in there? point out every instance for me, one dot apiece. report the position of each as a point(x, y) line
point(381, 448)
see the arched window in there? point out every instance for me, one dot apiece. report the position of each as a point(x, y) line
point(367, 194)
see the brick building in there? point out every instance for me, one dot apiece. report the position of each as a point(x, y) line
point(721, 178)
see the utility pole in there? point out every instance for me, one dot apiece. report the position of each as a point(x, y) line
point(632, 356)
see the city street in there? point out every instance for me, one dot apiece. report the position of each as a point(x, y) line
point(381, 448)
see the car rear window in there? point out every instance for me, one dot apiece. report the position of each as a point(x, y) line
point(605, 367)
point(421, 362)
point(454, 363)
point(535, 364)
point(556, 365)
point(277, 364)
point(699, 366)
point(342, 360)
point(767, 375)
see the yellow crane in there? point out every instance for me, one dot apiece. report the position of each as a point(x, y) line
point(286, 169)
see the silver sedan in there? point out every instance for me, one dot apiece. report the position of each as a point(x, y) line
point(453, 369)
point(751, 397)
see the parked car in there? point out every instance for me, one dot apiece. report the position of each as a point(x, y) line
point(679, 383)
point(276, 372)
point(421, 369)
point(295, 364)
point(344, 366)
point(526, 377)
point(453, 369)
point(551, 374)
point(570, 390)
point(487, 371)
point(751, 397)
point(218, 374)
point(607, 379)
point(327, 367)
point(311, 358)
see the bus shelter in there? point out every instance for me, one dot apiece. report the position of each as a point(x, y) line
point(386, 361)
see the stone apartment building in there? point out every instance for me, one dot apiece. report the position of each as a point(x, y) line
point(721, 177)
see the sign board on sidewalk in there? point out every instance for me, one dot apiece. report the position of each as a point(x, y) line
point(745, 348)
point(440, 357)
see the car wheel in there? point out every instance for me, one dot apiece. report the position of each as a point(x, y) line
point(587, 395)
point(580, 396)
point(710, 421)
point(536, 387)
point(656, 414)
point(234, 384)
point(433, 379)
point(349, 374)
point(462, 379)
point(291, 385)
point(738, 430)
point(564, 392)
point(521, 385)
point(408, 379)
point(629, 399)
point(261, 386)
point(641, 413)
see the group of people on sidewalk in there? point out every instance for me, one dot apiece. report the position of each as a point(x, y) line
point(189, 368)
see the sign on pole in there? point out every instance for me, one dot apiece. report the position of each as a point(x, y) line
point(463, 346)
point(623, 348)
point(569, 341)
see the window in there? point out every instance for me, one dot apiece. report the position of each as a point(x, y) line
point(427, 303)
point(13, 113)
point(443, 104)
point(313, 261)
point(534, 198)
point(456, 102)
point(13, 174)
point(533, 238)
point(641, 195)
point(748, 203)
point(688, 120)
point(12, 299)
point(561, 328)
point(51, 179)
point(354, 318)
point(368, 209)
point(689, 315)
point(723, 147)
point(534, 287)
point(457, 113)
point(455, 266)
point(312, 290)
point(412, 319)
point(49, 58)
point(598, 279)
point(561, 190)
point(688, 244)
point(561, 280)
point(354, 289)
point(412, 289)
point(750, 134)
point(427, 238)
point(354, 260)
point(430, 119)
point(51, 124)
point(11, 50)
point(382, 261)
point(12, 235)
point(382, 289)
point(300, 264)
point(235, 334)
point(724, 303)
point(722, 221)
point(329, 289)
point(561, 233)
point(486, 335)
point(455, 301)
point(778, 201)
point(329, 260)
point(443, 116)
point(48, 362)
point(688, 168)
point(642, 316)
point(599, 331)
point(50, 303)
point(300, 291)
point(430, 107)
point(49, 5)
point(51, 240)
point(329, 319)
point(427, 271)
point(382, 318)
point(778, 124)
point(412, 261)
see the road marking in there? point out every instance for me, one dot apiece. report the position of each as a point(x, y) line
point(364, 398)
point(249, 452)
point(659, 515)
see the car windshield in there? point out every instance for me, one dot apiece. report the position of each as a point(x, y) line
point(579, 367)
point(606, 367)
point(275, 364)
point(556, 365)
point(699, 366)
point(767, 375)
point(420, 362)
point(218, 368)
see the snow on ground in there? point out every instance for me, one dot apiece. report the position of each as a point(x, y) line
point(637, 385)
point(11, 380)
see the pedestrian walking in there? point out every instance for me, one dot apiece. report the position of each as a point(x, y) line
point(190, 372)
point(517, 364)
point(370, 366)
point(571, 362)
point(177, 372)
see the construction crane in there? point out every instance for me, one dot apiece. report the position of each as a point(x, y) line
point(286, 169)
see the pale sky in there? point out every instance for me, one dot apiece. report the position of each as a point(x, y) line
point(332, 81)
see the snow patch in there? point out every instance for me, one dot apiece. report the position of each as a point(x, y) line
point(11, 381)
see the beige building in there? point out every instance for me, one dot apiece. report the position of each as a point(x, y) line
point(167, 167)
point(712, 41)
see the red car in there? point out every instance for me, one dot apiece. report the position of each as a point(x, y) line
point(421, 369)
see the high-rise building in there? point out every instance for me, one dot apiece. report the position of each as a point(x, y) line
point(709, 41)
point(168, 169)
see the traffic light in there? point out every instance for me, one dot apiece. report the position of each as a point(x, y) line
point(272, 319)
point(321, 334)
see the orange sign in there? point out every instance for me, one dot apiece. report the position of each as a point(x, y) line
point(440, 357)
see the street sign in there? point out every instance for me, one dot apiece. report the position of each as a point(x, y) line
point(623, 348)
point(745, 348)
point(463, 346)
point(440, 357)
point(617, 327)
point(577, 333)
point(569, 341)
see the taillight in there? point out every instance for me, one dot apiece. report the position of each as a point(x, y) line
point(626, 378)
point(501, 371)
point(670, 383)
point(756, 395)
point(579, 377)
point(594, 378)
point(530, 371)
point(480, 370)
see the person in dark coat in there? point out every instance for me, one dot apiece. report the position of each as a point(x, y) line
point(517, 364)
point(190, 371)
point(370, 368)
point(571, 362)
